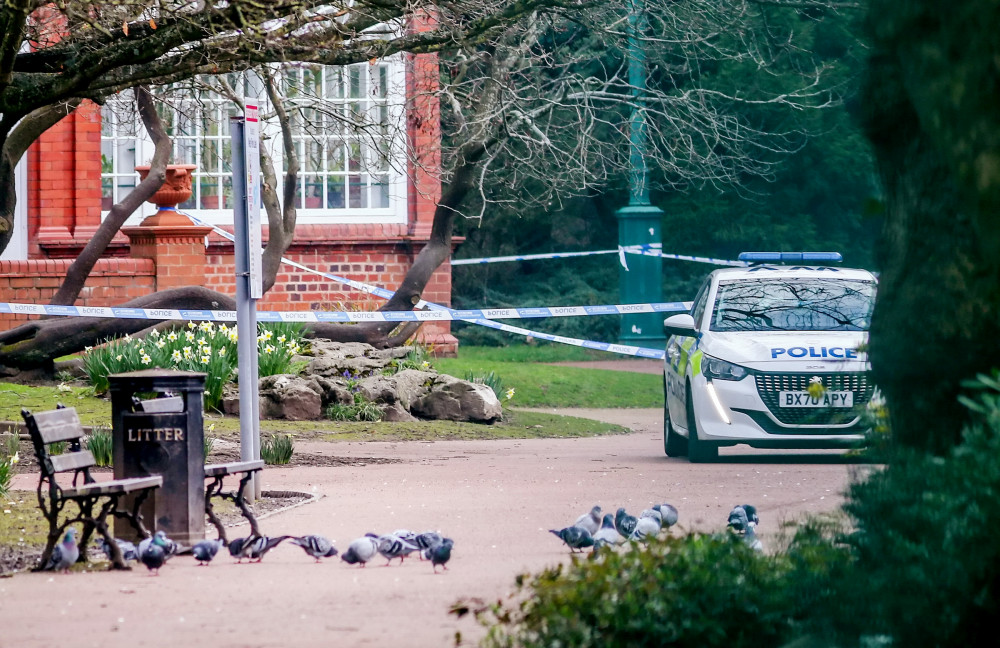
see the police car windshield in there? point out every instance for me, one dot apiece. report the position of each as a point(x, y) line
point(793, 304)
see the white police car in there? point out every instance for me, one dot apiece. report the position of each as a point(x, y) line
point(769, 356)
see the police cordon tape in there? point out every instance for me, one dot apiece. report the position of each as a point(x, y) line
point(646, 249)
point(386, 294)
point(440, 314)
point(435, 312)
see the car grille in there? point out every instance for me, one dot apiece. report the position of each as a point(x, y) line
point(770, 384)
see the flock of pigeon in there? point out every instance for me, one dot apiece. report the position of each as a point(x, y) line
point(594, 530)
point(155, 551)
point(591, 530)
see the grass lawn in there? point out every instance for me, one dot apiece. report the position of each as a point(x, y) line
point(537, 384)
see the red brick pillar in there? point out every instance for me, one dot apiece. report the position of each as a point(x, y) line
point(177, 251)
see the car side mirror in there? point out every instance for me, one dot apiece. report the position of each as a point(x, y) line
point(681, 324)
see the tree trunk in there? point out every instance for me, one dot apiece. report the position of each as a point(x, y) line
point(937, 318)
point(76, 275)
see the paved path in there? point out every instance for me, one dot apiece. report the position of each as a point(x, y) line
point(495, 498)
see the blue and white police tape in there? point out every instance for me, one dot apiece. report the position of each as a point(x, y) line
point(386, 294)
point(647, 249)
point(442, 313)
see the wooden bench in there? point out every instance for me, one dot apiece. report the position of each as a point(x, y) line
point(95, 500)
point(214, 473)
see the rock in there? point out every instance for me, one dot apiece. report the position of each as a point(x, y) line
point(397, 413)
point(294, 398)
point(458, 400)
point(407, 395)
point(332, 359)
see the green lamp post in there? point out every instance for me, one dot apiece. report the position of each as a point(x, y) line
point(640, 280)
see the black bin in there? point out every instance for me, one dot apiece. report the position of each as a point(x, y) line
point(158, 429)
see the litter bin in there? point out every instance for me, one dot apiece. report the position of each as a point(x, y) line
point(158, 429)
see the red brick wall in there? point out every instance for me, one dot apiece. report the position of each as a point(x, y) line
point(371, 254)
point(35, 281)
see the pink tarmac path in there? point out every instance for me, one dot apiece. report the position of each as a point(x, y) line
point(496, 499)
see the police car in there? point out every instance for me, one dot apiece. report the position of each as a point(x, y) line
point(770, 355)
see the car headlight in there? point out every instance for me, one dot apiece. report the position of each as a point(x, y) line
point(716, 369)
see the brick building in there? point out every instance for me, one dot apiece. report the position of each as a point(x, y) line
point(361, 215)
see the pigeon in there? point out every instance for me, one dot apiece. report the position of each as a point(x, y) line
point(645, 528)
point(127, 549)
point(427, 539)
point(668, 515)
point(590, 521)
point(204, 551)
point(64, 554)
point(743, 521)
point(440, 553)
point(316, 546)
point(607, 534)
point(236, 548)
point(751, 514)
point(652, 513)
point(153, 554)
point(750, 537)
point(625, 523)
point(170, 548)
point(575, 537)
point(405, 534)
point(739, 522)
point(360, 551)
point(392, 547)
point(255, 547)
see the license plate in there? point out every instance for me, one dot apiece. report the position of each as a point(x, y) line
point(803, 399)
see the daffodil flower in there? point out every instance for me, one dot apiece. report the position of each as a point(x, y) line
point(191, 325)
point(160, 344)
point(146, 359)
point(205, 359)
point(176, 356)
point(222, 352)
point(509, 393)
point(172, 336)
point(269, 349)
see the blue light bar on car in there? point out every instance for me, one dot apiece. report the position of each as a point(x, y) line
point(791, 257)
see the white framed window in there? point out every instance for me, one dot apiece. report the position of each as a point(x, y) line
point(348, 130)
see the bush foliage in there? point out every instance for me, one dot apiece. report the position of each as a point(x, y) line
point(205, 347)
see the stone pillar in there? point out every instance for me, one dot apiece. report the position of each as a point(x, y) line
point(177, 250)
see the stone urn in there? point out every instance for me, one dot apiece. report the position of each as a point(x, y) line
point(175, 190)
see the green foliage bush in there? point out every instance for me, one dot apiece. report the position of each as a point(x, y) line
point(277, 449)
point(205, 347)
point(100, 445)
point(924, 543)
point(695, 591)
point(9, 458)
point(361, 409)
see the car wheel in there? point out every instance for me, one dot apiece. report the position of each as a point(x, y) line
point(674, 445)
point(698, 451)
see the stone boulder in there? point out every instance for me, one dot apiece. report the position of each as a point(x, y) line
point(332, 359)
point(453, 399)
point(406, 395)
point(294, 398)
